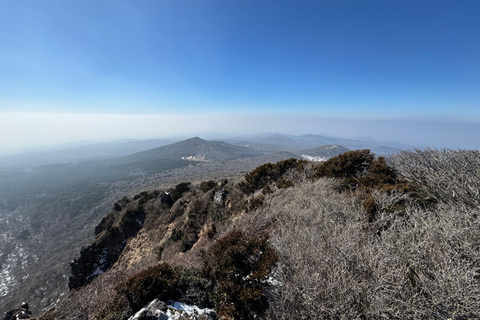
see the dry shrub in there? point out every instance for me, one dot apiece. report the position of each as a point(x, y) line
point(325, 256)
point(269, 173)
point(410, 263)
point(256, 202)
point(302, 173)
point(451, 176)
point(239, 264)
point(359, 169)
point(155, 282)
point(206, 186)
point(91, 301)
point(165, 282)
point(427, 265)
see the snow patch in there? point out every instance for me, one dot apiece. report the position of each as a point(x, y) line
point(313, 158)
point(7, 279)
point(177, 308)
point(199, 157)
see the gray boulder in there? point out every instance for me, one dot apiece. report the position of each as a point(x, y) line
point(219, 198)
point(153, 311)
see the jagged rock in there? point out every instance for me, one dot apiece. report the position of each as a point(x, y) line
point(20, 313)
point(167, 198)
point(219, 197)
point(158, 310)
point(106, 249)
point(153, 311)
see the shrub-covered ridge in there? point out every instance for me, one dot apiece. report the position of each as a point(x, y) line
point(355, 237)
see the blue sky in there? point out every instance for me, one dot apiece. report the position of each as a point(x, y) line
point(416, 62)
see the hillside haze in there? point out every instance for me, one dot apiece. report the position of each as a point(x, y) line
point(296, 144)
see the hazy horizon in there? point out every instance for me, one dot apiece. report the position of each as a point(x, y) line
point(41, 130)
point(407, 71)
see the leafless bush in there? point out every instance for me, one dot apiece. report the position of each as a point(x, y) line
point(90, 301)
point(427, 265)
point(451, 176)
point(335, 265)
point(325, 257)
point(302, 173)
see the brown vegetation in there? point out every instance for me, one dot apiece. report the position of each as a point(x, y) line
point(269, 173)
point(356, 237)
point(239, 264)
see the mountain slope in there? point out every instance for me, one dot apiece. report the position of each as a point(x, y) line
point(369, 253)
point(48, 212)
point(195, 149)
point(322, 152)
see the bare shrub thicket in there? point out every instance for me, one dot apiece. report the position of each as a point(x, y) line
point(325, 265)
point(335, 264)
point(428, 265)
point(89, 301)
point(451, 176)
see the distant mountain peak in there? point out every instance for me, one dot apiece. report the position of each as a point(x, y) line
point(196, 149)
point(195, 139)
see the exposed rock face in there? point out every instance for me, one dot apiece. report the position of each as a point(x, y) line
point(94, 260)
point(154, 310)
point(20, 313)
point(112, 234)
point(220, 197)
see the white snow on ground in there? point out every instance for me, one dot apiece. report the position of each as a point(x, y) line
point(14, 260)
point(7, 280)
point(313, 158)
point(178, 308)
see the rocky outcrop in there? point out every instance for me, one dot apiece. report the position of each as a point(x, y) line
point(158, 310)
point(95, 260)
point(219, 197)
point(112, 234)
point(154, 310)
point(20, 313)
